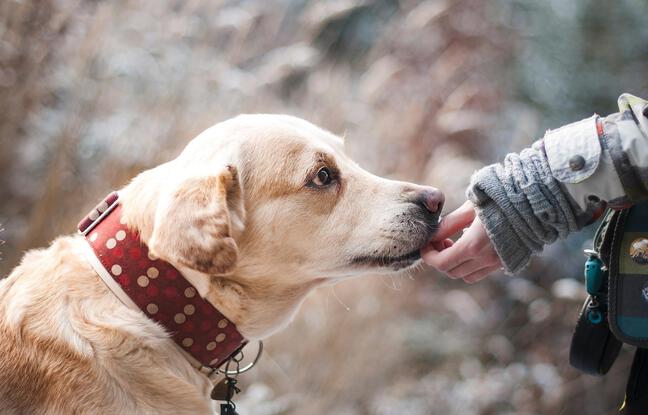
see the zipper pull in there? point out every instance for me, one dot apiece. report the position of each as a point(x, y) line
point(593, 272)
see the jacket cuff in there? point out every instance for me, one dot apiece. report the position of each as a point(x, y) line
point(573, 151)
point(512, 251)
point(580, 159)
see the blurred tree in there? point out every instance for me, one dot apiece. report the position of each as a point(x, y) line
point(573, 58)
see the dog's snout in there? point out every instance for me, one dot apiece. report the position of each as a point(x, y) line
point(431, 199)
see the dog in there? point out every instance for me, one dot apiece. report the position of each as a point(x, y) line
point(255, 213)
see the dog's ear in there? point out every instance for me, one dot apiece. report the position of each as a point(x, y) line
point(193, 223)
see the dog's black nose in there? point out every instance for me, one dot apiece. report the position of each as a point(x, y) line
point(431, 199)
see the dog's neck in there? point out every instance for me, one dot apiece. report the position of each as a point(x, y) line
point(259, 306)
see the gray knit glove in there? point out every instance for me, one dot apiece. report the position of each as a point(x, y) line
point(522, 206)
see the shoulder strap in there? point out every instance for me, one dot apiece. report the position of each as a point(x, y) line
point(604, 235)
point(593, 347)
point(636, 400)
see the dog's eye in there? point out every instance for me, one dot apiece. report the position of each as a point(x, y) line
point(323, 177)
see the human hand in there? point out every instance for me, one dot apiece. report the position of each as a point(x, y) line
point(472, 257)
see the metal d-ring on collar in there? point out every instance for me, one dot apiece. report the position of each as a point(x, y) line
point(236, 360)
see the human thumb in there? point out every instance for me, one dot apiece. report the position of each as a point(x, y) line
point(455, 221)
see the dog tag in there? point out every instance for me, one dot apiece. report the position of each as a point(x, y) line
point(222, 391)
point(228, 409)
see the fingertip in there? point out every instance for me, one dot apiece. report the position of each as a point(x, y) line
point(452, 277)
point(439, 245)
point(454, 221)
point(470, 280)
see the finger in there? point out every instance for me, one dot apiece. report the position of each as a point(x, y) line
point(446, 259)
point(469, 267)
point(455, 221)
point(437, 245)
point(481, 274)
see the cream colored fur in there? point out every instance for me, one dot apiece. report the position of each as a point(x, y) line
point(237, 213)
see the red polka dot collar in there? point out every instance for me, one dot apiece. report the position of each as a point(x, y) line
point(157, 288)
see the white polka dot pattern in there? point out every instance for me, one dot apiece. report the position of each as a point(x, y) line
point(116, 269)
point(152, 308)
point(120, 235)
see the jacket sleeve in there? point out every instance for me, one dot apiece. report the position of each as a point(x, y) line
point(603, 158)
point(563, 181)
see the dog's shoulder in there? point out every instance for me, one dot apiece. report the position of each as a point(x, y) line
point(38, 367)
point(69, 345)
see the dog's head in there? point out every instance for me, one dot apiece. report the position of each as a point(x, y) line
point(275, 196)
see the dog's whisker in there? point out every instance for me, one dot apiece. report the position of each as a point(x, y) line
point(2, 242)
point(346, 307)
point(396, 287)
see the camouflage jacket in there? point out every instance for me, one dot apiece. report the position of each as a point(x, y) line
point(563, 182)
point(603, 161)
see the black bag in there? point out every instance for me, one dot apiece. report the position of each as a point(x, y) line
point(628, 283)
point(616, 311)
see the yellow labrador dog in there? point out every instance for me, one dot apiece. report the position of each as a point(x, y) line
point(255, 213)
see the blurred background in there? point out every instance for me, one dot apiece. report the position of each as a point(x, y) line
point(93, 92)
